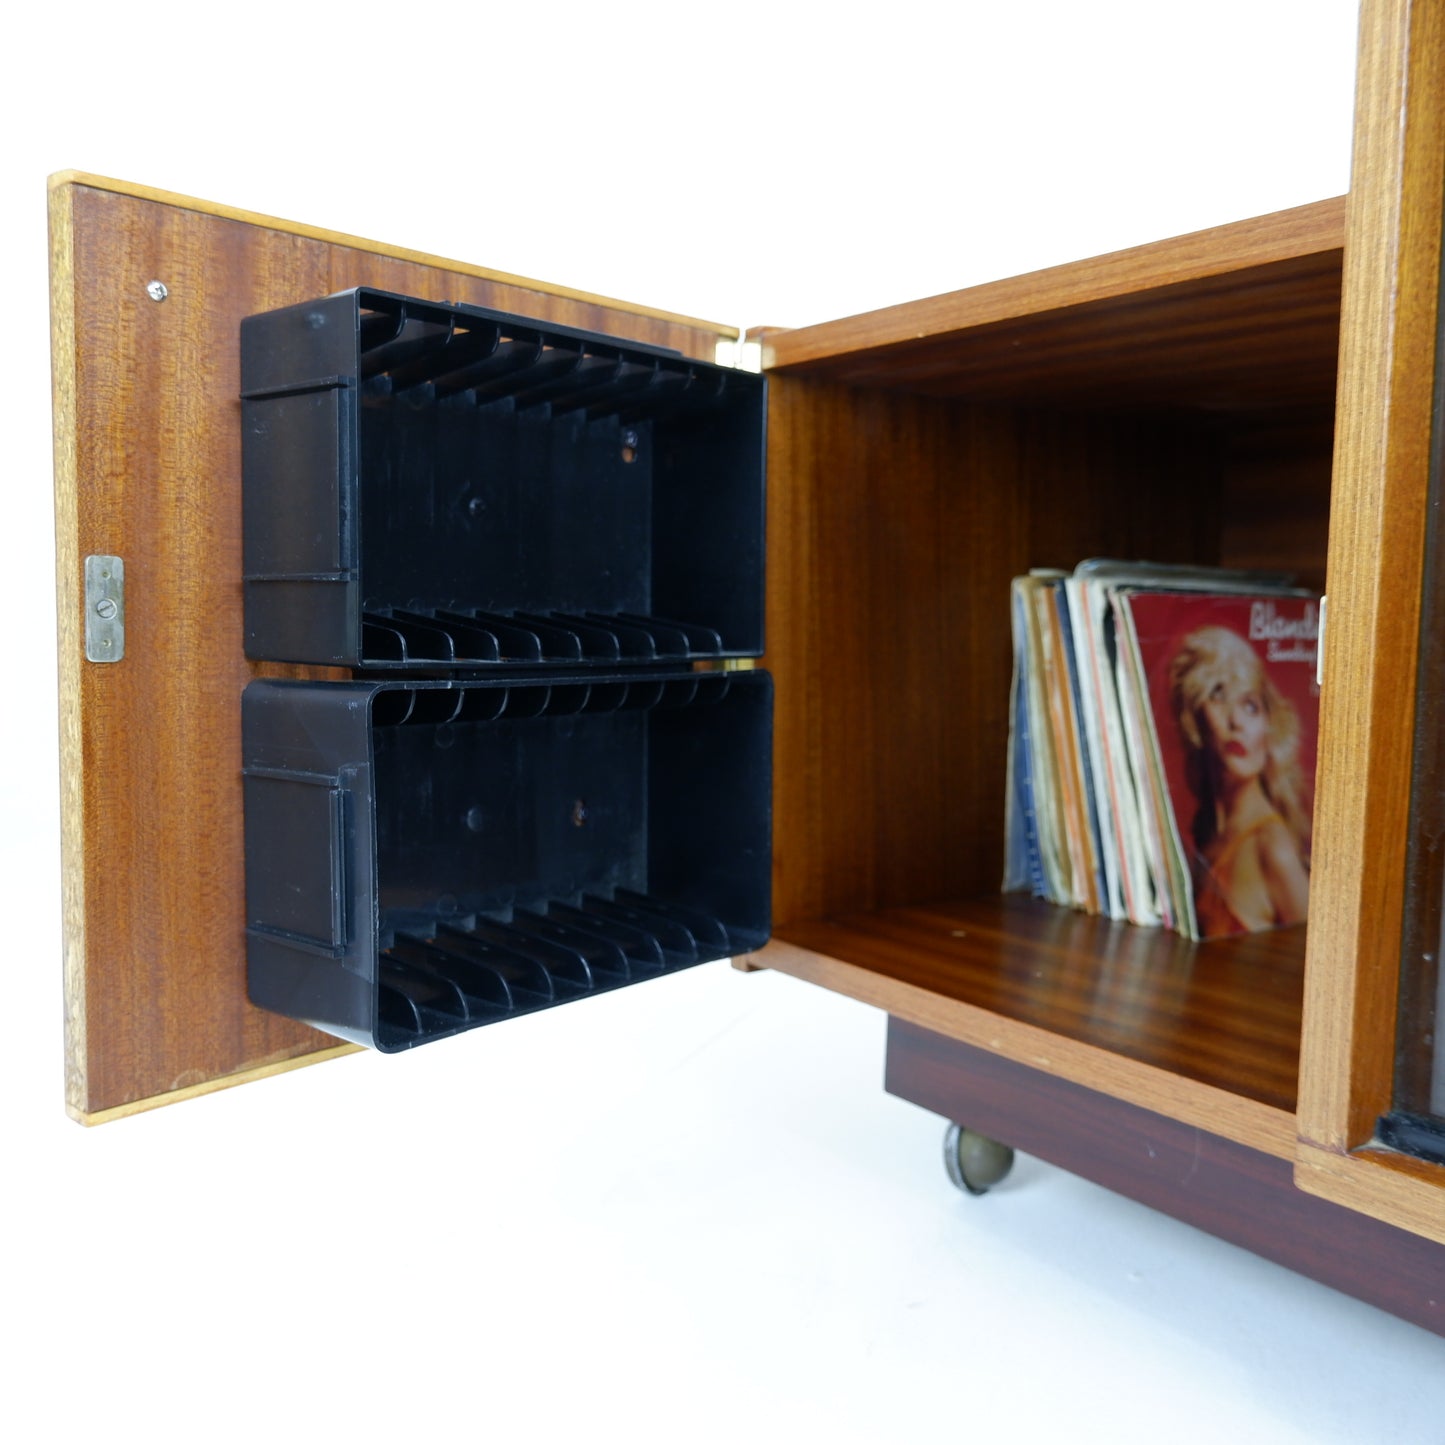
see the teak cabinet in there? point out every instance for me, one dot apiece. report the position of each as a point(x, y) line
point(1258, 394)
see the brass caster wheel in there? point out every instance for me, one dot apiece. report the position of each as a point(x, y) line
point(975, 1163)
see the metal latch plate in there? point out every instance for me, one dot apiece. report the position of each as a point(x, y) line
point(104, 609)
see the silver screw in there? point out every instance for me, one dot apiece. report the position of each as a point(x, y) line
point(106, 608)
point(157, 291)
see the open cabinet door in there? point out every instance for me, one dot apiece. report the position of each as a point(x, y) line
point(1383, 449)
point(148, 291)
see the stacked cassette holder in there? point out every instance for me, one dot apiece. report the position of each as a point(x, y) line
point(534, 547)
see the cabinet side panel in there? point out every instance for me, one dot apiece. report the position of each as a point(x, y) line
point(1374, 573)
point(148, 468)
point(894, 525)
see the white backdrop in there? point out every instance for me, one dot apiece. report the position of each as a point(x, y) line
point(687, 1211)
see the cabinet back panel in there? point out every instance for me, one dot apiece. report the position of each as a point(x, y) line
point(1276, 496)
point(895, 523)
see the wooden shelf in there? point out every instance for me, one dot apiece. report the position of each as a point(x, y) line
point(1109, 1005)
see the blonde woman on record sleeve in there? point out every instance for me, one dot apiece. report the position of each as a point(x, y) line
point(1251, 830)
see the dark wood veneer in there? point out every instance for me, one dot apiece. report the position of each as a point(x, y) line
point(1217, 1185)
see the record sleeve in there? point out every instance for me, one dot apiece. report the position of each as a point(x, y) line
point(1234, 708)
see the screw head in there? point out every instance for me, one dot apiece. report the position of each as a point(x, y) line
point(106, 608)
point(157, 291)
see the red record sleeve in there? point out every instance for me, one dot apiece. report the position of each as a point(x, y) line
point(1281, 631)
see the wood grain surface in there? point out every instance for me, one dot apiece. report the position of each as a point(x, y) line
point(1276, 497)
point(1241, 315)
point(896, 519)
point(1216, 1184)
point(148, 467)
point(1224, 1014)
point(894, 525)
point(1405, 1192)
point(1163, 1091)
point(1375, 559)
point(513, 282)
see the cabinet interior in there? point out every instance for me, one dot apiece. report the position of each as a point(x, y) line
point(916, 464)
